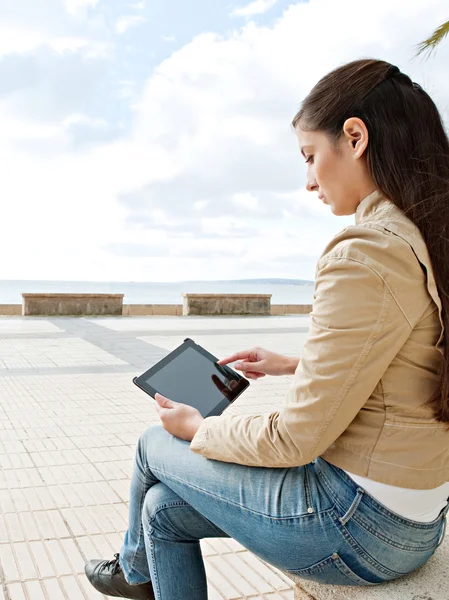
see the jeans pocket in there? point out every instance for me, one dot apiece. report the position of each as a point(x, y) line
point(332, 571)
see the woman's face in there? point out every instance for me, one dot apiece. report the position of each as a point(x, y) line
point(337, 171)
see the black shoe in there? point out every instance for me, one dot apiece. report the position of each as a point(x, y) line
point(107, 577)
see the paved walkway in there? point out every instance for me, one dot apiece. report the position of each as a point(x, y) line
point(70, 417)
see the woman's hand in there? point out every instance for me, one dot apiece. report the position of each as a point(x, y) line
point(257, 363)
point(181, 420)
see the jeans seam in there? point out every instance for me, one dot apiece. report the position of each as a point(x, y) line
point(141, 535)
point(360, 550)
point(307, 488)
point(354, 505)
point(227, 501)
point(408, 548)
point(155, 580)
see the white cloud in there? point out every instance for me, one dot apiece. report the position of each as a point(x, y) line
point(138, 5)
point(210, 163)
point(76, 7)
point(27, 26)
point(68, 44)
point(19, 40)
point(258, 7)
point(247, 200)
point(80, 119)
point(127, 21)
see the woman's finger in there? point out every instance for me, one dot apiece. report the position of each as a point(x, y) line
point(164, 402)
point(237, 356)
point(252, 375)
point(249, 367)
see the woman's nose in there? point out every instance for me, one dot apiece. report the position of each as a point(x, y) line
point(311, 185)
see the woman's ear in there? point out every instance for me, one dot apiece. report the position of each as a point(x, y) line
point(356, 135)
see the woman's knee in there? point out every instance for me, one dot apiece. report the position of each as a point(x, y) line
point(152, 438)
point(151, 435)
point(158, 506)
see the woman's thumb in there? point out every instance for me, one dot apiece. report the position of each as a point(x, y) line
point(164, 402)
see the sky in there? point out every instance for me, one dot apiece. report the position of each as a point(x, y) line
point(150, 140)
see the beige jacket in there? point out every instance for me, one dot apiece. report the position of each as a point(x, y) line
point(369, 365)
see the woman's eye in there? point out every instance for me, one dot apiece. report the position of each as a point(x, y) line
point(309, 159)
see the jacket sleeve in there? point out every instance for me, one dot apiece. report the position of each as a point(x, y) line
point(357, 329)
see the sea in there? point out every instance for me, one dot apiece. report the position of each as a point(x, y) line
point(283, 291)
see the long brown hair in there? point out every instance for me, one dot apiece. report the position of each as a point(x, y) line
point(408, 156)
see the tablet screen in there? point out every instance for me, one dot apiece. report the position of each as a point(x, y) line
point(193, 377)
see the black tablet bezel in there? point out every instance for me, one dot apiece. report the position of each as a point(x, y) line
point(141, 382)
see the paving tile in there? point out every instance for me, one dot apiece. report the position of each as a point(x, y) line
point(230, 571)
point(67, 446)
point(43, 353)
point(26, 325)
point(54, 590)
point(16, 592)
point(34, 590)
point(72, 588)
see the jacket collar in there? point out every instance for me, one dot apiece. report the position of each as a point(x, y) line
point(369, 206)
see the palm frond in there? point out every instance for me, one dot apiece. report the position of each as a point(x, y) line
point(432, 42)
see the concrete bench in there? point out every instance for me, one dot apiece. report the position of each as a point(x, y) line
point(431, 582)
point(226, 304)
point(72, 304)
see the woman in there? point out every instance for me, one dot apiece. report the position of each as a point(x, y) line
point(347, 483)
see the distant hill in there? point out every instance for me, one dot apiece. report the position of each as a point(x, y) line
point(272, 281)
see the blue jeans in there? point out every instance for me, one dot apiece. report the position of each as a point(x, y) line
point(313, 521)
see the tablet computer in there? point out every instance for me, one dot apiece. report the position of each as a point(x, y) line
point(191, 375)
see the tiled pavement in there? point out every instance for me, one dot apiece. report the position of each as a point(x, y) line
point(70, 417)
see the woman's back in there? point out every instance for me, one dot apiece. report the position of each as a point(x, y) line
point(396, 426)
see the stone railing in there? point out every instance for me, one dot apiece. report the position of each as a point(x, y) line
point(227, 304)
point(72, 304)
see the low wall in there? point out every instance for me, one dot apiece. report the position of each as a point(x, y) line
point(72, 304)
point(172, 310)
point(12, 310)
point(145, 310)
point(291, 309)
point(227, 304)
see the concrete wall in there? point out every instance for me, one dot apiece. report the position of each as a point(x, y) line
point(72, 304)
point(227, 304)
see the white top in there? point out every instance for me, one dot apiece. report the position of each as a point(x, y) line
point(417, 505)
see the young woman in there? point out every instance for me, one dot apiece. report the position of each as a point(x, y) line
point(347, 484)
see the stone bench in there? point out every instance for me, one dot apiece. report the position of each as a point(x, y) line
point(72, 304)
point(431, 582)
point(226, 304)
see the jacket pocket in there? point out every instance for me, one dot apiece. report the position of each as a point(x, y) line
point(332, 571)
